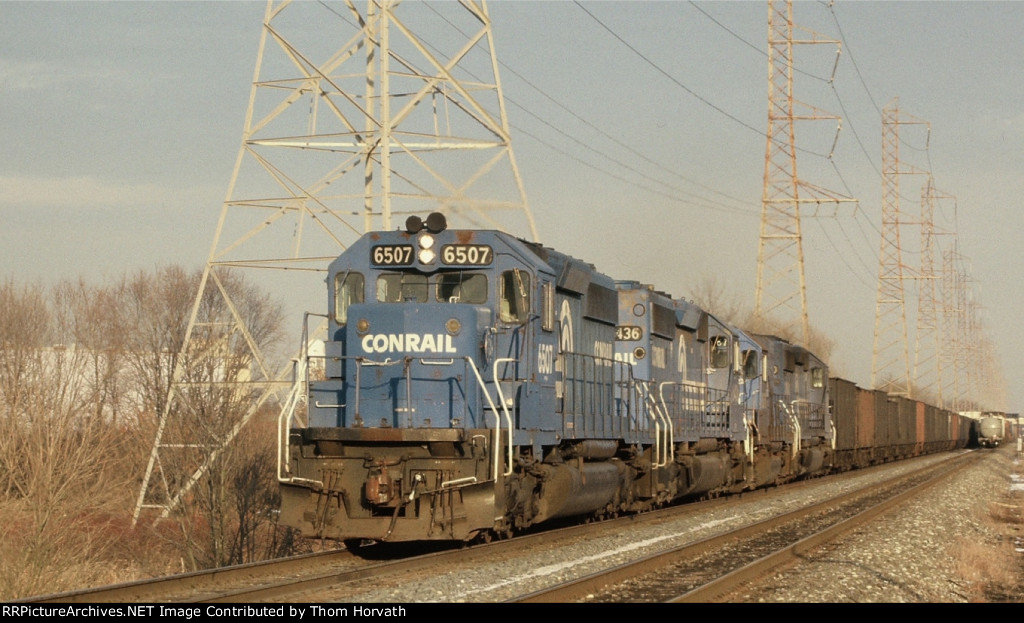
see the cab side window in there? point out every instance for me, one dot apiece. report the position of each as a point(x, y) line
point(750, 364)
point(719, 351)
point(348, 289)
point(817, 378)
point(514, 300)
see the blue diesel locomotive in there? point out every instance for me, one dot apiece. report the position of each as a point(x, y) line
point(474, 384)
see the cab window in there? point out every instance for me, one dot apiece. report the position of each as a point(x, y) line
point(401, 287)
point(348, 289)
point(750, 364)
point(515, 296)
point(719, 351)
point(461, 288)
point(548, 321)
point(817, 378)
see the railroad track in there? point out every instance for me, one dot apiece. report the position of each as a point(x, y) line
point(298, 576)
point(341, 576)
point(711, 569)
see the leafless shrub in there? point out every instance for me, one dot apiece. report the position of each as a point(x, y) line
point(231, 515)
point(84, 373)
point(226, 476)
point(58, 445)
point(710, 294)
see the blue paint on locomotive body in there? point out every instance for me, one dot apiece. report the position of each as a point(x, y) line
point(412, 341)
point(796, 392)
point(683, 362)
point(753, 394)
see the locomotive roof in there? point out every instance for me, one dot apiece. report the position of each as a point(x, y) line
point(573, 274)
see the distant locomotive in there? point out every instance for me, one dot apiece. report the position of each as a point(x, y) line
point(474, 384)
point(992, 429)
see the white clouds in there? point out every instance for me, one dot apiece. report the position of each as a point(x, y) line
point(29, 76)
point(92, 193)
point(16, 77)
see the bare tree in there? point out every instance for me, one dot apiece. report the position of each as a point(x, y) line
point(24, 327)
point(58, 446)
point(217, 523)
point(89, 319)
point(711, 294)
point(84, 371)
point(155, 307)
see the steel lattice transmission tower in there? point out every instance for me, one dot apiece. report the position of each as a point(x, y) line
point(356, 118)
point(951, 306)
point(986, 385)
point(928, 345)
point(781, 291)
point(890, 360)
point(977, 380)
point(970, 344)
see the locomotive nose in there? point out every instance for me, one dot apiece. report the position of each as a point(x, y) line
point(410, 367)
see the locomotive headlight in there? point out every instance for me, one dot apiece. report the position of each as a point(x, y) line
point(426, 254)
point(362, 325)
point(453, 326)
point(639, 352)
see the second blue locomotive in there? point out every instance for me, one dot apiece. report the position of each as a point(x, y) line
point(474, 384)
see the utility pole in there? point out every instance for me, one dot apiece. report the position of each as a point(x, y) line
point(356, 118)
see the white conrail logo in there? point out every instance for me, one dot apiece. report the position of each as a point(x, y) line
point(408, 343)
point(565, 319)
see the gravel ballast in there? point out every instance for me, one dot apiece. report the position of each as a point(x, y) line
point(954, 543)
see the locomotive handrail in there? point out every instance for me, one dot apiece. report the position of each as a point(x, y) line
point(683, 408)
point(810, 414)
point(662, 447)
point(407, 371)
point(508, 417)
point(595, 392)
point(748, 438)
point(284, 422)
point(300, 370)
point(366, 361)
point(796, 425)
point(497, 423)
point(301, 376)
point(646, 401)
point(670, 432)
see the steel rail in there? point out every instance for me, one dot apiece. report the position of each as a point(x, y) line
point(724, 585)
point(580, 589)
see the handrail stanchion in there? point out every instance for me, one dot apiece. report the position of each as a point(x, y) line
point(504, 408)
point(497, 417)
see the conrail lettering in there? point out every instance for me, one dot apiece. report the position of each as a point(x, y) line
point(408, 343)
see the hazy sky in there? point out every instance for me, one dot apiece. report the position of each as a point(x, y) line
point(638, 128)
